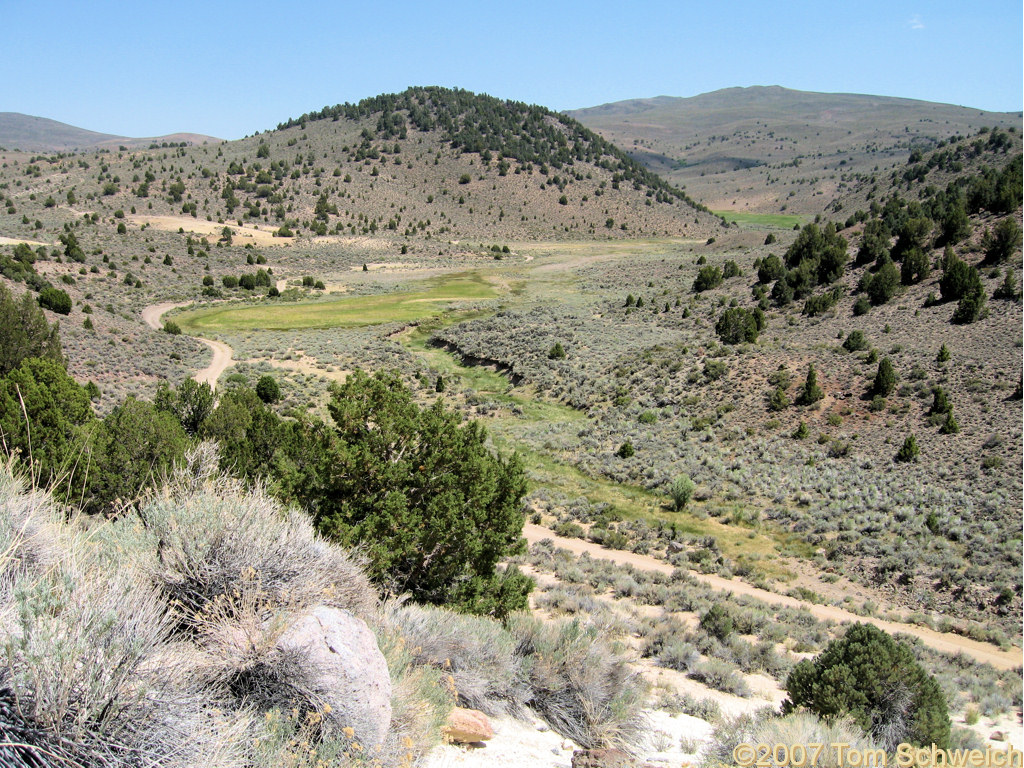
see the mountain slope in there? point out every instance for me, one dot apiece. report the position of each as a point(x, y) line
point(40, 134)
point(767, 149)
point(429, 164)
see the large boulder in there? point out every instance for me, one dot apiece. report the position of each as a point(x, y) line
point(344, 667)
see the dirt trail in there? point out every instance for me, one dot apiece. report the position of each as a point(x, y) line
point(221, 352)
point(947, 642)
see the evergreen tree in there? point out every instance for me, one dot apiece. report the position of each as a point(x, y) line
point(943, 355)
point(433, 509)
point(908, 451)
point(25, 332)
point(885, 379)
point(810, 392)
point(940, 403)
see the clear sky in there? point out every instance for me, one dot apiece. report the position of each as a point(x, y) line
point(232, 68)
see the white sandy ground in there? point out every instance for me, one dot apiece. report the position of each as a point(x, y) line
point(532, 744)
point(222, 356)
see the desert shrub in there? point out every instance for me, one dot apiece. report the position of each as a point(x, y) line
point(763, 727)
point(681, 491)
point(478, 653)
point(210, 532)
point(875, 680)
point(721, 676)
point(580, 683)
point(172, 328)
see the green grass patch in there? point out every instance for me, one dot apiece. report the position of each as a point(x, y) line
point(435, 297)
point(769, 220)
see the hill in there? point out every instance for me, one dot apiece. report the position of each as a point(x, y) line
point(769, 149)
point(40, 134)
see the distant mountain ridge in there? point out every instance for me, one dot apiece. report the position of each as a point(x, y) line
point(740, 148)
point(41, 134)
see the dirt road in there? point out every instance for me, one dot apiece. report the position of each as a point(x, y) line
point(222, 358)
point(947, 642)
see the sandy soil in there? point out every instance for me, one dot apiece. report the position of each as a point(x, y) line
point(946, 642)
point(15, 241)
point(241, 235)
point(221, 352)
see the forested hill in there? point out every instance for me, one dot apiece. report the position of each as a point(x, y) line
point(494, 128)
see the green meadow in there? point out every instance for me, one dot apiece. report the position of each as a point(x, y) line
point(771, 220)
point(435, 297)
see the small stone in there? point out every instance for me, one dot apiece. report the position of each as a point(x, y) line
point(467, 726)
point(998, 736)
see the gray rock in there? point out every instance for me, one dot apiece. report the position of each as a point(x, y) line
point(344, 667)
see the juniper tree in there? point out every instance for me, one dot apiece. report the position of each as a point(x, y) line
point(810, 393)
point(885, 378)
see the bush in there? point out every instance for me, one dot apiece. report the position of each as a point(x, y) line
point(478, 653)
point(707, 278)
point(581, 683)
point(717, 622)
point(884, 284)
point(557, 352)
point(855, 342)
point(625, 450)
point(875, 680)
point(172, 328)
point(908, 451)
point(267, 389)
point(797, 729)
point(738, 325)
point(55, 300)
point(681, 490)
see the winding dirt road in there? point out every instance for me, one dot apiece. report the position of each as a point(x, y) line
point(947, 642)
point(222, 358)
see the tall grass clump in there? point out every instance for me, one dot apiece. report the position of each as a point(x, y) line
point(581, 683)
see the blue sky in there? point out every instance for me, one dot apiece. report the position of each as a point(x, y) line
point(232, 68)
